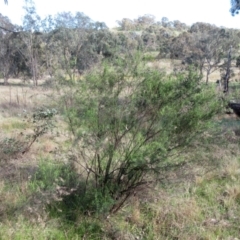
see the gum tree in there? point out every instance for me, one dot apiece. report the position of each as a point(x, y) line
point(67, 40)
point(31, 39)
point(8, 48)
point(204, 46)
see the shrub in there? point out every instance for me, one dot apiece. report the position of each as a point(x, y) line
point(128, 120)
point(11, 147)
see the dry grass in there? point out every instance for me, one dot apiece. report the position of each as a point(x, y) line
point(18, 100)
point(11, 123)
point(205, 207)
point(169, 65)
point(16, 130)
point(166, 65)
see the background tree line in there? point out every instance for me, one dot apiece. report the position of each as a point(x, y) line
point(71, 44)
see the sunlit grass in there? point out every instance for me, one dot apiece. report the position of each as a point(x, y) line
point(11, 124)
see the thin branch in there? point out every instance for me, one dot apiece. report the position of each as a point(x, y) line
point(8, 30)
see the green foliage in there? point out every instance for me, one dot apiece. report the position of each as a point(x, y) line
point(50, 174)
point(149, 58)
point(44, 115)
point(42, 120)
point(24, 229)
point(11, 147)
point(128, 119)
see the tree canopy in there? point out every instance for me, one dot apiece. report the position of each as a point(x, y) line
point(235, 6)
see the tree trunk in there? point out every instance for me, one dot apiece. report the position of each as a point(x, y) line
point(34, 71)
point(227, 75)
point(5, 76)
point(207, 77)
point(5, 80)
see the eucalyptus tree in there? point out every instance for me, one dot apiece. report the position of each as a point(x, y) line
point(8, 48)
point(6, 25)
point(205, 46)
point(179, 25)
point(30, 35)
point(126, 24)
point(70, 45)
point(99, 43)
point(7, 54)
point(142, 22)
point(164, 37)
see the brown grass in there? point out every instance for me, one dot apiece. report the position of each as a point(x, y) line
point(168, 65)
point(20, 99)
